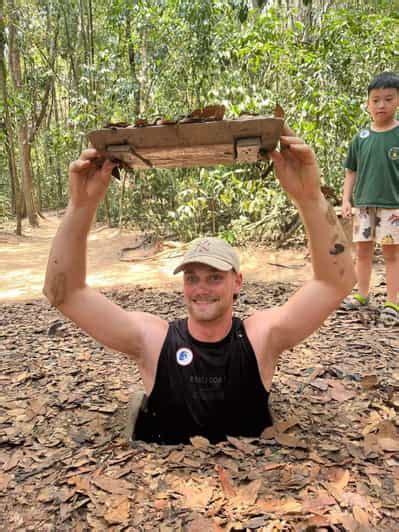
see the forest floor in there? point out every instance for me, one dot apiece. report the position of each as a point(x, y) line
point(330, 463)
point(23, 260)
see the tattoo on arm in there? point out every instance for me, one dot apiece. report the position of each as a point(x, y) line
point(338, 248)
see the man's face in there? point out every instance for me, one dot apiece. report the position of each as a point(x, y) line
point(208, 293)
point(382, 105)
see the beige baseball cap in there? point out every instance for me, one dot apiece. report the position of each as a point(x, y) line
point(212, 251)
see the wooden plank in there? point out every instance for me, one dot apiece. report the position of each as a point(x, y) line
point(176, 157)
point(189, 144)
point(248, 149)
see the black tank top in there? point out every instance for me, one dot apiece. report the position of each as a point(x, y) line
point(203, 388)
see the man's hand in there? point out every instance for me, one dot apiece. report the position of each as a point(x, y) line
point(296, 167)
point(89, 177)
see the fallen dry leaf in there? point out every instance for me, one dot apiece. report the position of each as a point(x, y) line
point(278, 111)
point(280, 506)
point(340, 393)
point(5, 480)
point(270, 467)
point(242, 445)
point(361, 516)
point(226, 481)
point(282, 426)
point(199, 442)
point(121, 396)
point(355, 499)
point(340, 480)
point(369, 381)
point(211, 112)
point(196, 496)
point(387, 429)
point(247, 494)
point(319, 504)
point(12, 461)
point(268, 433)
point(118, 512)
point(371, 444)
point(388, 444)
point(290, 441)
point(81, 483)
point(202, 524)
point(112, 485)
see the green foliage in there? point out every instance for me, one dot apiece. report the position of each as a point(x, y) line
point(167, 57)
point(187, 203)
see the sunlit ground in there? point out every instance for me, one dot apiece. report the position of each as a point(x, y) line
point(23, 262)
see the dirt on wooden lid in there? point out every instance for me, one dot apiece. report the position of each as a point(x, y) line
point(201, 138)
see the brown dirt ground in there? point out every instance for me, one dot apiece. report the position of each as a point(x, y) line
point(23, 261)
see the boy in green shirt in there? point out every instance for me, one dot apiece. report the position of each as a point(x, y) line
point(372, 178)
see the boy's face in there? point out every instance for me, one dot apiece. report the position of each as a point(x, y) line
point(382, 105)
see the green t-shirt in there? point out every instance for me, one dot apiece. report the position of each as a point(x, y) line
point(374, 156)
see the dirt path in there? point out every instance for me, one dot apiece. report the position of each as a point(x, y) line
point(23, 261)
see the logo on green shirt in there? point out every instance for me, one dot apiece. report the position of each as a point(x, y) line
point(393, 153)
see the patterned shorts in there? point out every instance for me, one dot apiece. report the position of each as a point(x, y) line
point(374, 224)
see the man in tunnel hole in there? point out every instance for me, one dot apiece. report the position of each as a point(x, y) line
point(208, 374)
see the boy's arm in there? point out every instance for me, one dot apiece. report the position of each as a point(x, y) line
point(65, 283)
point(349, 183)
point(273, 331)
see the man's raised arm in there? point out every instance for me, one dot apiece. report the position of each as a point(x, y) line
point(65, 284)
point(333, 271)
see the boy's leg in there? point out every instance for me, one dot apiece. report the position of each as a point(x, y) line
point(364, 223)
point(364, 266)
point(364, 228)
point(388, 236)
point(391, 258)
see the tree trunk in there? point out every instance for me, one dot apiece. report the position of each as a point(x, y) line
point(107, 210)
point(132, 65)
point(70, 49)
point(9, 140)
point(122, 200)
point(57, 155)
point(20, 204)
point(84, 43)
point(307, 18)
point(91, 53)
point(27, 181)
point(22, 128)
